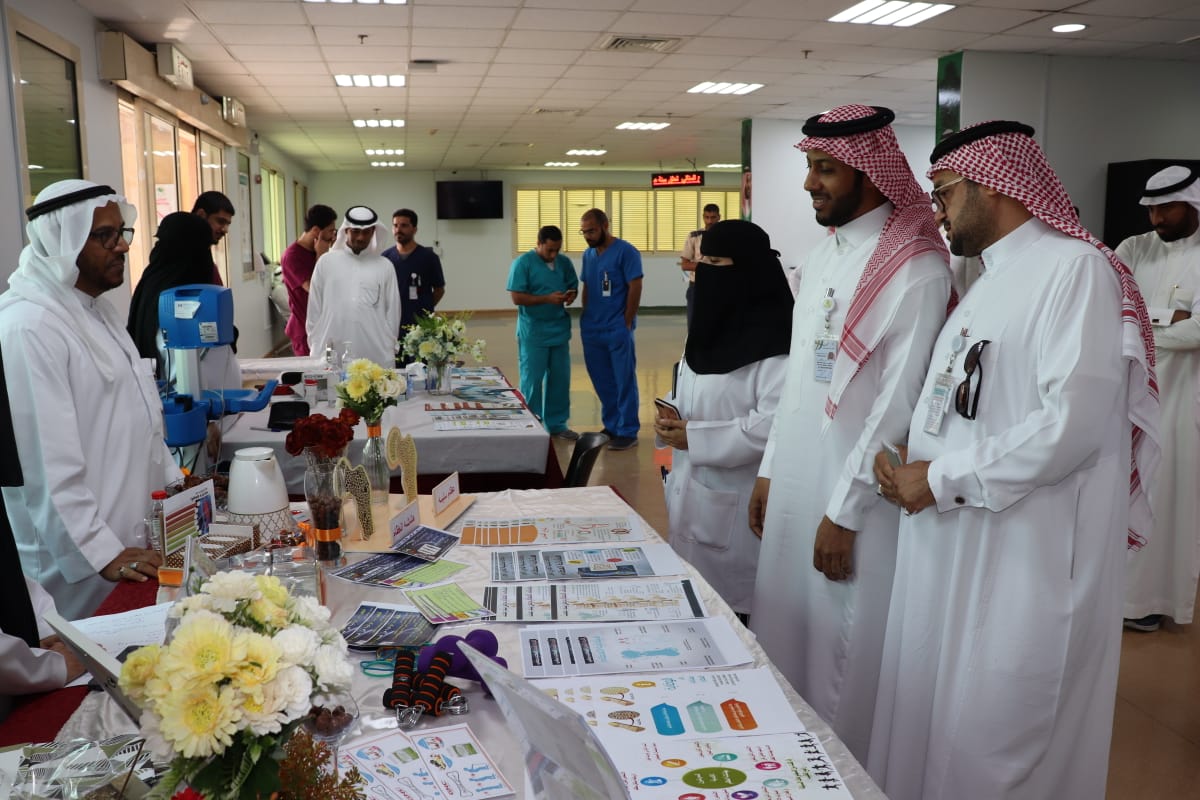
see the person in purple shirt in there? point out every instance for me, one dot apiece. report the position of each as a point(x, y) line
point(298, 262)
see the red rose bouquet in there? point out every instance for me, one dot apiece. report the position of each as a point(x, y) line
point(327, 437)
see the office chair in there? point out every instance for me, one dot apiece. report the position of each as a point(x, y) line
point(583, 458)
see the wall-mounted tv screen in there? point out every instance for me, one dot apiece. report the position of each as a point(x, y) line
point(470, 199)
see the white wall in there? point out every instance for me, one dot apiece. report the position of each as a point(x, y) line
point(98, 104)
point(1089, 112)
point(476, 254)
point(781, 207)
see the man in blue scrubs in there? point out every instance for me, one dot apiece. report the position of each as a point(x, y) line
point(612, 291)
point(542, 282)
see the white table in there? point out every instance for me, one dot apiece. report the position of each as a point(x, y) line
point(98, 716)
point(438, 452)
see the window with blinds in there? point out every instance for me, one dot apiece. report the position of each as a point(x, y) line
point(652, 220)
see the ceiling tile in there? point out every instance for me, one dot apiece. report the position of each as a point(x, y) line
point(299, 35)
point(461, 17)
point(248, 13)
point(561, 20)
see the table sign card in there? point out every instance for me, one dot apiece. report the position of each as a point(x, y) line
point(445, 493)
point(405, 522)
point(189, 513)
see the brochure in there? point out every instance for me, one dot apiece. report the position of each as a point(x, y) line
point(374, 625)
point(540, 564)
point(550, 530)
point(594, 601)
point(439, 764)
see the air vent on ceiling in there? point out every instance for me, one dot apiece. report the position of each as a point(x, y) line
point(654, 44)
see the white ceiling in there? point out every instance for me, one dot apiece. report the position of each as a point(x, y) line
point(501, 61)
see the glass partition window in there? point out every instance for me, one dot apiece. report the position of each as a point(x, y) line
point(163, 165)
point(652, 220)
point(49, 105)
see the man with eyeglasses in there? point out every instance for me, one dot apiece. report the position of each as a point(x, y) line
point(87, 416)
point(871, 299)
point(612, 292)
point(1166, 263)
point(298, 262)
point(1027, 452)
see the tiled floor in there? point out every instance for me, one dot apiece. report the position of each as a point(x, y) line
point(1156, 734)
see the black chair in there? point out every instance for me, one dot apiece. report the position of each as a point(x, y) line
point(583, 458)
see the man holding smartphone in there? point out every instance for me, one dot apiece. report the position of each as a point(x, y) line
point(542, 283)
point(871, 300)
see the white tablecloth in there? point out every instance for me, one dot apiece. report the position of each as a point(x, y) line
point(98, 716)
point(438, 452)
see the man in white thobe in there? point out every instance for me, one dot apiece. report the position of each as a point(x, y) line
point(353, 296)
point(872, 297)
point(1166, 262)
point(88, 420)
point(1000, 662)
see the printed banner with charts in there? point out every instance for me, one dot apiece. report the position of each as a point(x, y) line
point(595, 649)
point(441, 764)
point(545, 564)
point(594, 601)
point(787, 765)
point(643, 707)
point(550, 530)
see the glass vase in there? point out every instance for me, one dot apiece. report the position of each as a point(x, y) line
point(374, 460)
point(437, 378)
point(323, 488)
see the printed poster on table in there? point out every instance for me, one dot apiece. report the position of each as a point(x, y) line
point(594, 601)
point(542, 564)
point(439, 764)
point(784, 766)
point(550, 530)
point(374, 625)
point(596, 649)
point(642, 707)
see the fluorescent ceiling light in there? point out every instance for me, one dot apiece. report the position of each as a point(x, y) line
point(379, 123)
point(387, 163)
point(390, 151)
point(724, 166)
point(713, 87)
point(890, 12)
point(364, 81)
point(36, 166)
point(562, 164)
point(1070, 27)
point(586, 152)
point(643, 126)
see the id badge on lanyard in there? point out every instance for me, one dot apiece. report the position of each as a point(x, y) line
point(943, 387)
point(825, 345)
point(414, 286)
point(606, 286)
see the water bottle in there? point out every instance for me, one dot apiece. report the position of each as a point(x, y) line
point(331, 358)
point(154, 523)
point(347, 357)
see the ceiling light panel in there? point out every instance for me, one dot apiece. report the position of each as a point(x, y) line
point(387, 163)
point(379, 123)
point(562, 164)
point(724, 87)
point(389, 151)
point(890, 12)
point(643, 126)
point(586, 152)
point(367, 81)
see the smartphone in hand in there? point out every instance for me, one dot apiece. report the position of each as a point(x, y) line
point(665, 409)
point(893, 455)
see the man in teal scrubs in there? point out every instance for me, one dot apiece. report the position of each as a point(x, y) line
point(542, 282)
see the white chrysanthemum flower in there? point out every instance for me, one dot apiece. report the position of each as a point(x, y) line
point(264, 709)
point(332, 667)
point(191, 603)
point(389, 388)
point(295, 685)
point(232, 586)
point(156, 743)
point(309, 611)
point(297, 644)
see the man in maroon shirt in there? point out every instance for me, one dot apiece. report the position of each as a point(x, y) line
point(298, 263)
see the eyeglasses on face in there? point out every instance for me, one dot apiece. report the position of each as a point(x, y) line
point(966, 401)
point(108, 236)
point(939, 196)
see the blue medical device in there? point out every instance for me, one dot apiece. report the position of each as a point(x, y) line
point(192, 318)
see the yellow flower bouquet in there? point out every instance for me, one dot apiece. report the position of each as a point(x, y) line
point(369, 389)
point(236, 679)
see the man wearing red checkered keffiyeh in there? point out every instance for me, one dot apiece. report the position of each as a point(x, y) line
point(1000, 661)
point(873, 295)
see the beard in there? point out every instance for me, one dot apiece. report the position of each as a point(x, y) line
point(841, 209)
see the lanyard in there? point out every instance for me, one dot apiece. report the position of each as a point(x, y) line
point(956, 346)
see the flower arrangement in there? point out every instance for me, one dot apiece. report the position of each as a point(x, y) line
point(237, 678)
point(438, 338)
point(369, 389)
point(327, 437)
